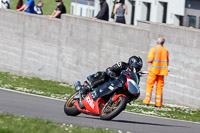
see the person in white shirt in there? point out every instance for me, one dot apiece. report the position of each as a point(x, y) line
point(5, 4)
point(38, 8)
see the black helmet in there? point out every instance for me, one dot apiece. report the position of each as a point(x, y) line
point(135, 62)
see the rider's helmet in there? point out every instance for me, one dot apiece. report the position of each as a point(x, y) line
point(135, 62)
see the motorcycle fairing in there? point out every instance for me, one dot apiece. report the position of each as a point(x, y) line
point(133, 88)
point(131, 84)
point(105, 89)
point(131, 75)
point(91, 106)
point(116, 96)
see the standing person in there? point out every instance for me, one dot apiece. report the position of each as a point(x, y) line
point(28, 7)
point(159, 59)
point(59, 10)
point(19, 4)
point(120, 10)
point(5, 4)
point(38, 8)
point(104, 11)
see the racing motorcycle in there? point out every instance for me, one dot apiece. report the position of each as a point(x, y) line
point(107, 100)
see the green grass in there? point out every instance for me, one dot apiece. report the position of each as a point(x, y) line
point(63, 90)
point(15, 124)
point(168, 111)
point(48, 8)
point(36, 85)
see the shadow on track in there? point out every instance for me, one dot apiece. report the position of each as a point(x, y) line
point(134, 122)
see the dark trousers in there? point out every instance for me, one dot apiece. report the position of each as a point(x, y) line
point(98, 79)
point(121, 20)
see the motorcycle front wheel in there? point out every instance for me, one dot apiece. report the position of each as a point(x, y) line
point(69, 107)
point(112, 109)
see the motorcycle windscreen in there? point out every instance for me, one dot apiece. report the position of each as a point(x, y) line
point(134, 77)
point(133, 88)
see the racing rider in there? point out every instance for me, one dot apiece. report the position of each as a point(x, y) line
point(134, 64)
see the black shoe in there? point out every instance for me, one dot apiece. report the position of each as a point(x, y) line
point(145, 105)
point(158, 107)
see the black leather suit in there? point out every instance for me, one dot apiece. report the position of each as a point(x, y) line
point(111, 72)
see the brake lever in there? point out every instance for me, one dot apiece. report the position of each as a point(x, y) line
point(142, 73)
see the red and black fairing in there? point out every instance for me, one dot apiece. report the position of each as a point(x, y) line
point(98, 97)
point(91, 107)
point(125, 85)
point(132, 81)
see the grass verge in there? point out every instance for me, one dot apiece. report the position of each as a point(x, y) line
point(15, 124)
point(168, 111)
point(63, 90)
point(36, 85)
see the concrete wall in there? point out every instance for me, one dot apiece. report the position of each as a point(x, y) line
point(73, 47)
point(28, 44)
point(144, 24)
point(90, 46)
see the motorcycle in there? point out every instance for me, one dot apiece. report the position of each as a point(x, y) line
point(107, 100)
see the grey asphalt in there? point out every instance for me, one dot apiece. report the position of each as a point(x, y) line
point(52, 109)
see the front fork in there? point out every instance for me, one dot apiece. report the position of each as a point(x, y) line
point(80, 101)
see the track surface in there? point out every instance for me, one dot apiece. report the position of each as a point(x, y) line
point(52, 109)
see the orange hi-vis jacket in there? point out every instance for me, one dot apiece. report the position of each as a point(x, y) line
point(158, 57)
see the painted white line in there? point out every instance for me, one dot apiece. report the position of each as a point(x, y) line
point(123, 111)
point(20, 92)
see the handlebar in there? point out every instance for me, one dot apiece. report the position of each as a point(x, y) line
point(143, 73)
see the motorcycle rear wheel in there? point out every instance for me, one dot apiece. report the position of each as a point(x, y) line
point(69, 107)
point(111, 110)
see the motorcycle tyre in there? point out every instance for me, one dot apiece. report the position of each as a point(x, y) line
point(117, 111)
point(72, 111)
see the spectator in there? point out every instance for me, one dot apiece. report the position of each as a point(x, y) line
point(104, 11)
point(159, 60)
point(120, 10)
point(19, 4)
point(38, 8)
point(59, 10)
point(5, 4)
point(28, 7)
